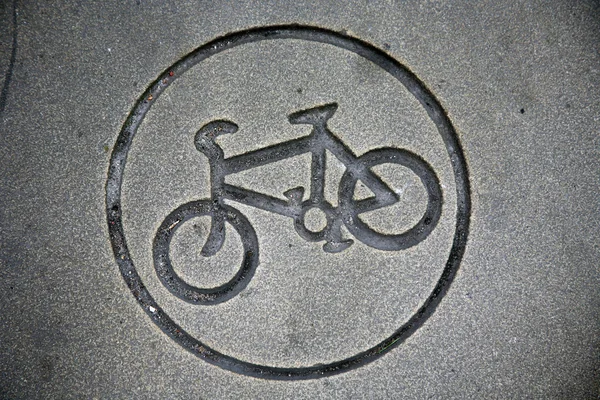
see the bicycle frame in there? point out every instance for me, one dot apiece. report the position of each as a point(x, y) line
point(317, 142)
point(320, 140)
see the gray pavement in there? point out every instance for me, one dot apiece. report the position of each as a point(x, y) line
point(445, 243)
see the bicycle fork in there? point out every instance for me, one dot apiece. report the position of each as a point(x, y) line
point(205, 143)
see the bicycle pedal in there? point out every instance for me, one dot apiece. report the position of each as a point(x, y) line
point(337, 247)
point(294, 195)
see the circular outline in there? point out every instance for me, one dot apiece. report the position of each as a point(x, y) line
point(312, 34)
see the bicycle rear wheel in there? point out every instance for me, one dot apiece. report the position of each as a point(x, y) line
point(174, 283)
point(351, 208)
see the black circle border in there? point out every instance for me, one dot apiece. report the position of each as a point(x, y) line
point(313, 34)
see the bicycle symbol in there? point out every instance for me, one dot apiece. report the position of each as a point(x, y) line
point(346, 213)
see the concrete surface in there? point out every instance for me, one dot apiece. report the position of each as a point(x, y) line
point(520, 82)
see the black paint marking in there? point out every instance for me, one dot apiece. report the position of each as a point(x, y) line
point(221, 214)
point(11, 65)
point(320, 140)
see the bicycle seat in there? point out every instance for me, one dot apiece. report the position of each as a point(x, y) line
point(313, 116)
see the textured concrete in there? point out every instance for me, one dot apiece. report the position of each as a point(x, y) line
point(520, 82)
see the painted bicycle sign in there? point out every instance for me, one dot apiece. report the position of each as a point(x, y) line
point(296, 204)
point(320, 140)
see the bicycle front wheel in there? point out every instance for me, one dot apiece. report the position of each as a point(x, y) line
point(174, 283)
